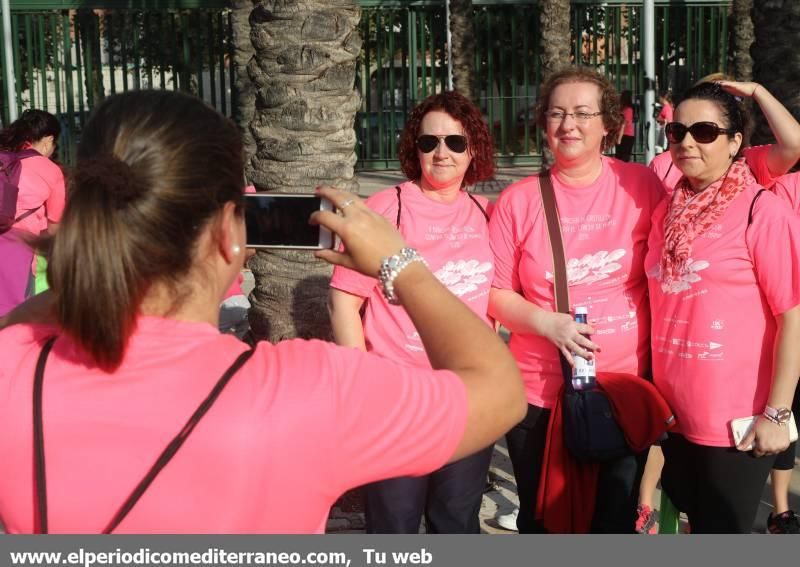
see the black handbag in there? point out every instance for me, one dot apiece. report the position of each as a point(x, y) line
point(590, 431)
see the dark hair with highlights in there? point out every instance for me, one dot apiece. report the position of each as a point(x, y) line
point(732, 111)
point(609, 102)
point(154, 168)
point(479, 141)
point(29, 128)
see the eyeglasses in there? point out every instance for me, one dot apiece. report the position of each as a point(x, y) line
point(560, 115)
point(702, 132)
point(454, 142)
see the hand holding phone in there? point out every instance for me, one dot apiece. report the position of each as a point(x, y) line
point(367, 236)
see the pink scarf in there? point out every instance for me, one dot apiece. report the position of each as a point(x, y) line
point(692, 214)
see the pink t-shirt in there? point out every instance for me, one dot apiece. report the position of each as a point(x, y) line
point(453, 239)
point(40, 182)
point(665, 114)
point(605, 228)
point(627, 113)
point(713, 330)
point(787, 187)
point(298, 425)
point(754, 156)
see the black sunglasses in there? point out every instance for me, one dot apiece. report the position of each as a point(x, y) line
point(702, 132)
point(454, 142)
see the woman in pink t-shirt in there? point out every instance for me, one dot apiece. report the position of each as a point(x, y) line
point(627, 135)
point(126, 359)
point(445, 146)
point(726, 316)
point(40, 201)
point(604, 206)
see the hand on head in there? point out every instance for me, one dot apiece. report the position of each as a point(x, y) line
point(367, 236)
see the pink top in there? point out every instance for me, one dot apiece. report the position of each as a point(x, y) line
point(665, 114)
point(754, 156)
point(627, 113)
point(605, 228)
point(40, 182)
point(453, 239)
point(298, 425)
point(788, 188)
point(713, 331)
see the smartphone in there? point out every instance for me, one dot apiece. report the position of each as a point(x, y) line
point(741, 427)
point(280, 220)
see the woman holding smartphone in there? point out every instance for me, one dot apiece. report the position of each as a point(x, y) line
point(127, 363)
point(444, 147)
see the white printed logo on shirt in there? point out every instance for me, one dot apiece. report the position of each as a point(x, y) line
point(592, 268)
point(689, 276)
point(464, 276)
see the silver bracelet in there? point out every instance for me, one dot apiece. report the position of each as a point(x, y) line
point(391, 268)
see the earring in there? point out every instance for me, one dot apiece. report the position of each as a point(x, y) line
point(236, 249)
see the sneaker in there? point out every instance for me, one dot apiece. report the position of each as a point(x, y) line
point(645, 520)
point(508, 521)
point(786, 523)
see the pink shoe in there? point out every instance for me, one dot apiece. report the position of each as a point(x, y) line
point(646, 520)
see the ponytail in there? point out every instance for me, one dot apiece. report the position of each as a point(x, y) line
point(154, 167)
point(93, 264)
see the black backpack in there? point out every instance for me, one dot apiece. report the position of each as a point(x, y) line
point(10, 168)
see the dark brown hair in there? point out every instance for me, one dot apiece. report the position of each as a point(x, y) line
point(732, 111)
point(609, 102)
point(154, 167)
point(479, 140)
point(29, 128)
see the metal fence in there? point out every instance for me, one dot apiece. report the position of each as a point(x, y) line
point(69, 54)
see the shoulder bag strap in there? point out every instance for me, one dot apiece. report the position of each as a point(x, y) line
point(159, 464)
point(477, 204)
point(752, 206)
point(560, 288)
point(399, 208)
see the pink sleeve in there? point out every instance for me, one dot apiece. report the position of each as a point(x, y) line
point(54, 205)
point(777, 267)
point(756, 158)
point(386, 419)
point(505, 246)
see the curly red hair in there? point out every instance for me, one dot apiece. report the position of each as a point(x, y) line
point(479, 140)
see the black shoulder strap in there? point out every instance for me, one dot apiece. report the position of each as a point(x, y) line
point(752, 206)
point(668, 170)
point(477, 204)
point(400, 206)
point(160, 463)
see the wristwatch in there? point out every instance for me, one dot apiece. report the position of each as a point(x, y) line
point(391, 268)
point(781, 416)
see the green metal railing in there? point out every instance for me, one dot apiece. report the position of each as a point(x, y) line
point(69, 54)
point(67, 59)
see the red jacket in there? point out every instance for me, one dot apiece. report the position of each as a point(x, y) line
point(567, 488)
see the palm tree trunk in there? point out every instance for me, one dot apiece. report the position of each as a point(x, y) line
point(244, 95)
point(463, 47)
point(303, 75)
point(554, 41)
point(776, 59)
point(742, 39)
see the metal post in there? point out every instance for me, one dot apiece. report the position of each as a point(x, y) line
point(8, 55)
point(449, 46)
point(649, 17)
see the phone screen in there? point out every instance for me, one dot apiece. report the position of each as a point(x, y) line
point(281, 221)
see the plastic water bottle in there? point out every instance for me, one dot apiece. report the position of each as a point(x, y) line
point(584, 375)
